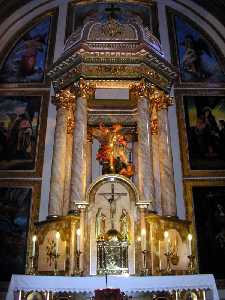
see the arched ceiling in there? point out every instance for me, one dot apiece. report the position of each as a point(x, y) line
point(215, 7)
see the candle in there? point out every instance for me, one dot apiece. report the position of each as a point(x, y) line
point(20, 295)
point(34, 239)
point(204, 295)
point(57, 237)
point(160, 263)
point(78, 240)
point(166, 237)
point(138, 239)
point(143, 239)
point(176, 295)
point(189, 244)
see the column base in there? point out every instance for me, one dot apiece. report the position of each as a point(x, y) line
point(74, 212)
point(52, 217)
point(171, 217)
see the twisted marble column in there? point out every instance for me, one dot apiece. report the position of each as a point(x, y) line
point(168, 195)
point(145, 166)
point(69, 150)
point(58, 164)
point(78, 170)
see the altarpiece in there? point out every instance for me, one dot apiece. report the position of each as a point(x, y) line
point(112, 203)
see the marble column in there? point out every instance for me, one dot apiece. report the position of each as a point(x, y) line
point(58, 164)
point(79, 157)
point(145, 166)
point(156, 163)
point(89, 160)
point(135, 162)
point(69, 150)
point(168, 195)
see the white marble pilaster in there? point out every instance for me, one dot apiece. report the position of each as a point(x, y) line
point(168, 195)
point(79, 163)
point(145, 165)
point(58, 164)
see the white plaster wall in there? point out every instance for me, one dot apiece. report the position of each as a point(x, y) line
point(26, 13)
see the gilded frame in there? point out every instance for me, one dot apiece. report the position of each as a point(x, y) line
point(189, 205)
point(73, 3)
point(179, 94)
point(40, 143)
point(34, 207)
point(50, 51)
point(171, 13)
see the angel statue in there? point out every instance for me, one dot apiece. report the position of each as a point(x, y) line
point(100, 224)
point(113, 152)
point(124, 224)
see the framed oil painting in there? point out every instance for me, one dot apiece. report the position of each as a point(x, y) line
point(206, 206)
point(201, 118)
point(23, 118)
point(197, 57)
point(78, 13)
point(27, 58)
point(19, 204)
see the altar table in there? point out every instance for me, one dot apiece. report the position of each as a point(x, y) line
point(130, 285)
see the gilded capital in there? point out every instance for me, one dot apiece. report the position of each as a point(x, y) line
point(142, 89)
point(86, 88)
point(160, 100)
point(64, 99)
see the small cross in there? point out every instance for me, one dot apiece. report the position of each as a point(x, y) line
point(112, 197)
point(112, 10)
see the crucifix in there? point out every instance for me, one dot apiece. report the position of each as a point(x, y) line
point(112, 198)
point(112, 10)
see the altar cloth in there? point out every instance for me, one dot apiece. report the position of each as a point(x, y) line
point(129, 285)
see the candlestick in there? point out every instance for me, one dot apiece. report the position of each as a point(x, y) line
point(34, 239)
point(57, 237)
point(166, 238)
point(78, 240)
point(190, 244)
point(204, 295)
point(143, 239)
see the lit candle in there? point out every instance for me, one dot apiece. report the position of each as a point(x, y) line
point(160, 263)
point(57, 237)
point(204, 295)
point(166, 238)
point(189, 244)
point(143, 239)
point(78, 240)
point(139, 239)
point(34, 239)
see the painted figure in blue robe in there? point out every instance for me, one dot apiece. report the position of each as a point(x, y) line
point(26, 62)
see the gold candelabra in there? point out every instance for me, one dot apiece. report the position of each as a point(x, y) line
point(32, 270)
point(145, 270)
point(169, 256)
point(191, 264)
point(77, 271)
